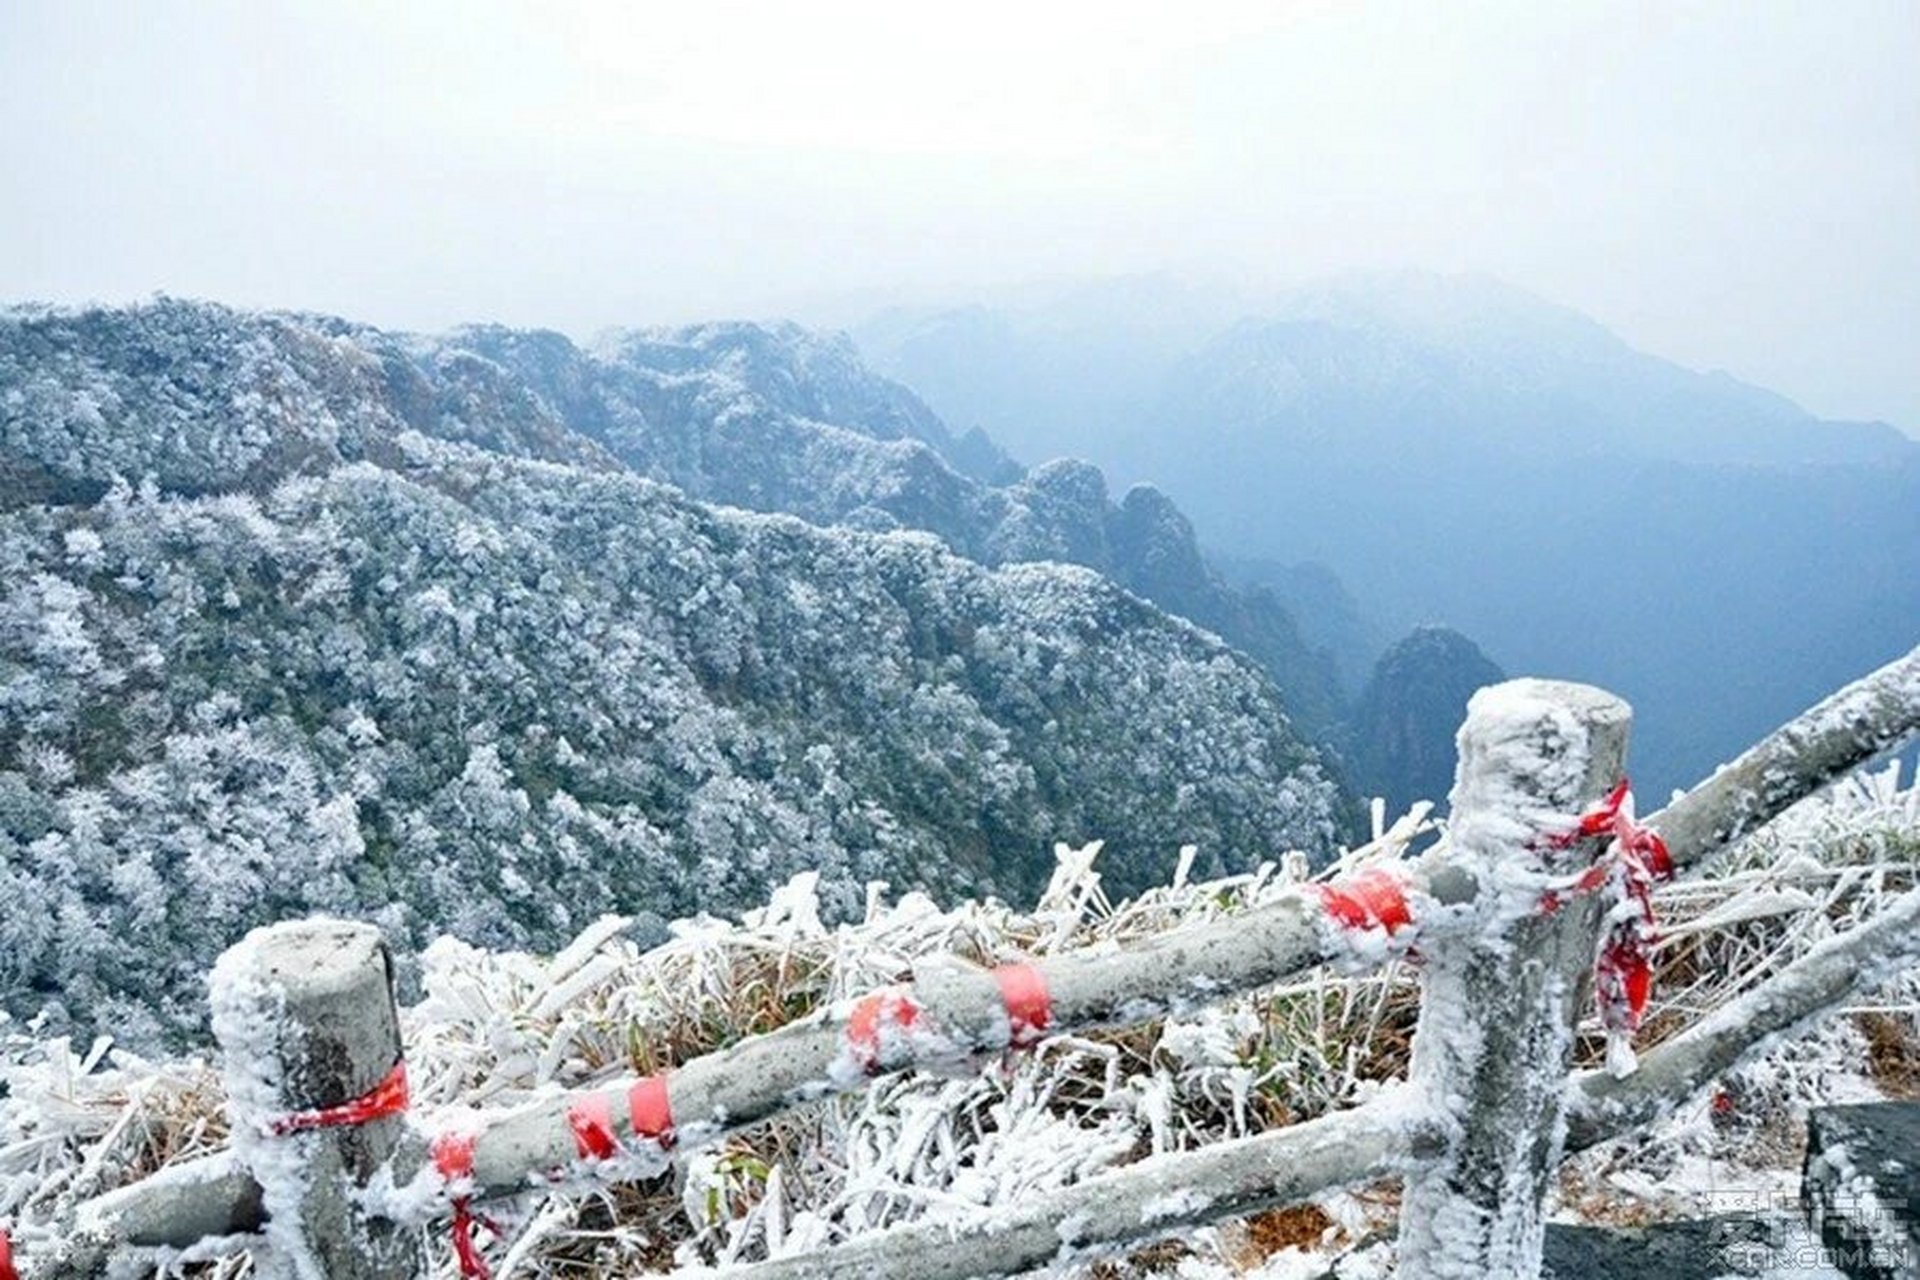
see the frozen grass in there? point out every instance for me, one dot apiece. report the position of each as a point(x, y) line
point(497, 1029)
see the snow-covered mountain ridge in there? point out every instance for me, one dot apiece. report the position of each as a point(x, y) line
point(767, 417)
point(298, 617)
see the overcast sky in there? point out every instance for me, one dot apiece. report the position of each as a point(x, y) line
point(1734, 185)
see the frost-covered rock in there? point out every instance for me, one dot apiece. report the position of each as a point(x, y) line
point(1863, 1187)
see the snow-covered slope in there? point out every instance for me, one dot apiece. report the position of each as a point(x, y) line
point(777, 418)
point(367, 627)
point(768, 417)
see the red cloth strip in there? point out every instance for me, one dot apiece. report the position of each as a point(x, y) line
point(650, 1111)
point(472, 1265)
point(591, 1119)
point(870, 1018)
point(453, 1160)
point(1029, 1007)
point(1613, 816)
point(1597, 821)
point(1369, 899)
point(6, 1256)
point(453, 1155)
point(1635, 859)
point(388, 1098)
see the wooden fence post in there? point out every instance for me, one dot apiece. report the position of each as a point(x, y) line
point(305, 1017)
point(1503, 988)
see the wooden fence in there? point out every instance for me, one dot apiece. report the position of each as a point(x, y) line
point(1508, 914)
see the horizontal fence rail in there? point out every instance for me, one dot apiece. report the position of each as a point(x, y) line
point(1169, 1194)
point(951, 1011)
point(1385, 1136)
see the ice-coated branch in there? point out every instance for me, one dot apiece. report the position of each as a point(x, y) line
point(180, 1205)
point(757, 1078)
point(1162, 1196)
point(764, 1075)
point(1869, 716)
point(960, 1013)
point(1600, 1106)
point(1229, 1179)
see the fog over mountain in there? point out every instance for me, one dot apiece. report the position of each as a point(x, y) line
point(1458, 451)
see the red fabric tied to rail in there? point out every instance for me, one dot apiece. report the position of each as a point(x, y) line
point(649, 1110)
point(872, 1017)
point(453, 1161)
point(648, 1113)
point(1635, 859)
point(452, 1154)
point(1029, 1006)
point(591, 1119)
point(1369, 899)
point(388, 1098)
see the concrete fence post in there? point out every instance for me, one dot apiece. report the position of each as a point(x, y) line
point(1504, 986)
point(305, 1016)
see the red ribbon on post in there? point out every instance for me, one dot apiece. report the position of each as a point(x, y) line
point(1635, 859)
point(6, 1256)
point(1023, 990)
point(649, 1111)
point(387, 1098)
point(591, 1119)
point(452, 1154)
